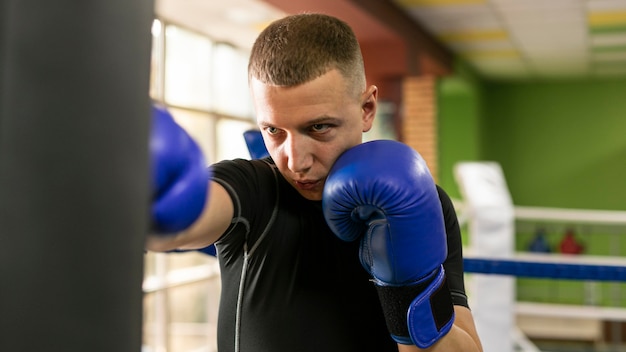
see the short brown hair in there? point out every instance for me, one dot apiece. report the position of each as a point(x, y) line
point(299, 48)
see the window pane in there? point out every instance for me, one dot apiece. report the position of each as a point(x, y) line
point(187, 68)
point(156, 64)
point(183, 317)
point(230, 142)
point(230, 81)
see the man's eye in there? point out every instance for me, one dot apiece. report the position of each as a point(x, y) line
point(319, 127)
point(271, 130)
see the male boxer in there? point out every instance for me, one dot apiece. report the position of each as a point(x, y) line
point(328, 244)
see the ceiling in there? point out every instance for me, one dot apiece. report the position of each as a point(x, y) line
point(234, 21)
point(537, 38)
point(501, 39)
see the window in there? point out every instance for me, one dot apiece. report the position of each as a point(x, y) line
point(230, 81)
point(187, 69)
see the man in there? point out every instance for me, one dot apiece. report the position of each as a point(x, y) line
point(289, 282)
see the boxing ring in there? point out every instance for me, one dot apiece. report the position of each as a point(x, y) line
point(493, 265)
point(546, 267)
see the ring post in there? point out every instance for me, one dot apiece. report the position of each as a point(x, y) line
point(491, 230)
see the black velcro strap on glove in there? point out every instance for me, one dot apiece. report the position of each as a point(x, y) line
point(396, 301)
point(431, 296)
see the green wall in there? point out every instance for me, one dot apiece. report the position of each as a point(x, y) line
point(459, 110)
point(560, 144)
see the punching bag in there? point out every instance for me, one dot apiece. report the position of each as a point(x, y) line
point(74, 196)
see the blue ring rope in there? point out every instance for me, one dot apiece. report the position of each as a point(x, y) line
point(562, 271)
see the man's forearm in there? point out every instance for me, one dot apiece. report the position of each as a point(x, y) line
point(463, 336)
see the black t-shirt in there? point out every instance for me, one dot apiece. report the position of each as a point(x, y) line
point(288, 283)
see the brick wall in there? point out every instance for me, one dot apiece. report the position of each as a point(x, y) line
point(419, 122)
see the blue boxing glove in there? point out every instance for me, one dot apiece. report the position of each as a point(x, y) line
point(382, 194)
point(255, 144)
point(180, 177)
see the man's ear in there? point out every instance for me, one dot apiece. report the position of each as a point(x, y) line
point(368, 106)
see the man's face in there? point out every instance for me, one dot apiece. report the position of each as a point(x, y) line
point(307, 127)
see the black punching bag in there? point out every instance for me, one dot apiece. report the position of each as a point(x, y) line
point(74, 192)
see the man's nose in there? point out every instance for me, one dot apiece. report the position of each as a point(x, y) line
point(299, 156)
